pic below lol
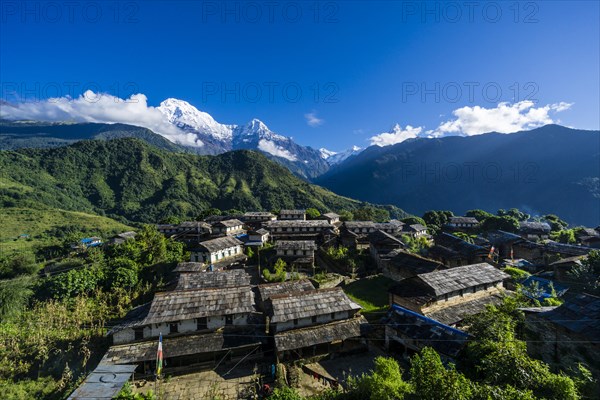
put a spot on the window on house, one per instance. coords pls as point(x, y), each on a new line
point(138, 333)
point(295, 321)
point(332, 315)
point(314, 319)
point(201, 324)
point(173, 327)
point(229, 319)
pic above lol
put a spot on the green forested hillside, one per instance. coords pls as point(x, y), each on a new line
point(131, 180)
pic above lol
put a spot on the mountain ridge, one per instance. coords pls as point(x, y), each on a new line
point(545, 170)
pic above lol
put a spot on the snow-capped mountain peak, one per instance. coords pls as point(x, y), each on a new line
point(186, 116)
point(333, 157)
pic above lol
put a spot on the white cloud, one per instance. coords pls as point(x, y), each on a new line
point(101, 108)
point(312, 120)
point(269, 147)
point(397, 135)
point(505, 118)
point(468, 121)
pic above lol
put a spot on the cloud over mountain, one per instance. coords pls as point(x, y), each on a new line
point(104, 108)
point(468, 121)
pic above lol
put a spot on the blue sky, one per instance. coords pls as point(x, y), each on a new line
point(351, 68)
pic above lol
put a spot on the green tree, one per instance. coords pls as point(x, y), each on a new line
point(383, 383)
point(15, 264)
point(564, 236)
point(432, 381)
point(312, 213)
point(346, 215)
point(515, 213)
point(480, 215)
point(504, 223)
point(556, 224)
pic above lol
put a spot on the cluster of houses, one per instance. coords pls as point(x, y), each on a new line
point(220, 310)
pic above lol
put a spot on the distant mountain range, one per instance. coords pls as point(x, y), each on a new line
point(552, 169)
point(208, 137)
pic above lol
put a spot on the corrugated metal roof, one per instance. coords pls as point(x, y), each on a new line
point(104, 382)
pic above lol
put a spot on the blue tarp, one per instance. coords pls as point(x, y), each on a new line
point(544, 288)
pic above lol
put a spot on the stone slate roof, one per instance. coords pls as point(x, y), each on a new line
point(132, 318)
point(175, 347)
point(578, 314)
point(380, 237)
point(267, 290)
point(294, 212)
point(463, 220)
point(456, 245)
point(260, 231)
point(319, 223)
point(229, 223)
point(331, 215)
point(567, 249)
point(213, 279)
point(568, 260)
point(589, 232)
point(295, 245)
point(326, 333)
point(412, 262)
point(189, 267)
point(196, 303)
point(456, 312)
point(359, 224)
point(454, 279)
point(259, 214)
point(426, 331)
point(534, 227)
point(194, 225)
point(415, 228)
point(287, 307)
point(218, 244)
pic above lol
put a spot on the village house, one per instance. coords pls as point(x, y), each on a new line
point(392, 227)
point(267, 290)
point(450, 295)
point(332, 218)
point(123, 237)
point(187, 231)
point(258, 217)
point(453, 251)
point(221, 318)
point(565, 250)
point(313, 323)
point(381, 243)
point(87, 243)
point(298, 229)
point(589, 237)
point(257, 237)
point(572, 329)
point(400, 264)
point(294, 215)
point(213, 279)
point(408, 332)
point(228, 227)
point(562, 268)
point(534, 230)
point(219, 252)
point(414, 230)
point(187, 311)
point(299, 253)
point(462, 223)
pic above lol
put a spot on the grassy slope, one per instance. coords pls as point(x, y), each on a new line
point(371, 294)
point(36, 222)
